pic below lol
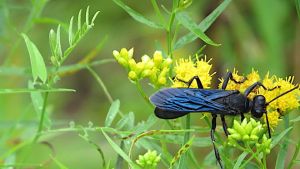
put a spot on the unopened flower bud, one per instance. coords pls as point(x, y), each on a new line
point(116, 53)
point(145, 58)
point(157, 57)
point(124, 53)
point(132, 76)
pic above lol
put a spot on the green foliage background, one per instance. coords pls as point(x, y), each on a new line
point(259, 34)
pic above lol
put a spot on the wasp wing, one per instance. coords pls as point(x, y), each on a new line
point(180, 101)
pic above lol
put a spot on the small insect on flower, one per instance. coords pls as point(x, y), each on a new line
point(176, 102)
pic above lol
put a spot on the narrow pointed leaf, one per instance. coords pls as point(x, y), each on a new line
point(38, 66)
point(113, 110)
point(120, 151)
point(204, 25)
point(58, 50)
point(52, 41)
point(137, 16)
point(87, 15)
point(79, 20)
point(240, 160)
point(71, 32)
point(276, 139)
point(297, 3)
point(94, 17)
point(189, 24)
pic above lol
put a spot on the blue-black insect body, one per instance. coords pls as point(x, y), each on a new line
point(176, 102)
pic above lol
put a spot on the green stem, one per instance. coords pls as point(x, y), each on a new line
point(41, 122)
point(170, 25)
point(265, 161)
point(294, 156)
point(101, 83)
point(183, 159)
point(256, 157)
point(142, 93)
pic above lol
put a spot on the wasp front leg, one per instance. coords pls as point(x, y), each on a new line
point(189, 83)
point(228, 77)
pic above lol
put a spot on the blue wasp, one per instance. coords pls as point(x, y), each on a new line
point(172, 103)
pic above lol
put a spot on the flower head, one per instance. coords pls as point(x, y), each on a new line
point(156, 68)
point(149, 160)
point(186, 69)
point(249, 133)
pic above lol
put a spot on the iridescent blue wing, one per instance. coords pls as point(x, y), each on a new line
point(185, 100)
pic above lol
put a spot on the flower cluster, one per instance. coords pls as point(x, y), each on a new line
point(156, 68)
point(275, 86)
point(249, 133)
point(186, 69)
point(149, 160)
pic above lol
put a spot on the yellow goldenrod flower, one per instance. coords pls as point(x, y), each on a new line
point(156, 68)
point(273, 117)
point(186, 69)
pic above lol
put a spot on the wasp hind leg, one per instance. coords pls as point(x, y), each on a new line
point(212, 136)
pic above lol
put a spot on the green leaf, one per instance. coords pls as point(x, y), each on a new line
point(188, 23)
point(297, 3)
point(38, 101)
point(120, 151)
point(296, 119)
point(38, 66)
point(79, 20)
point(276, 139)
point(52, 41)
point(127, 121)
point(283, 148)
point(203, 26)
point(240, 160)
point(137, 16)
point(181, 151)
point(12, 91)
point(58, 50)
point(87, 15)
point(210, 159)
point(113, 110)
point(281, 156)
point(71, 32)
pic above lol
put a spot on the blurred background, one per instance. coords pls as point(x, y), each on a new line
point(263, 35)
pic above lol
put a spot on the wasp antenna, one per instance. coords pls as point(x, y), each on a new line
point(296, 87)
point(269, 131)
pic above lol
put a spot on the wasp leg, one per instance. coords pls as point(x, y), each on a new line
point(224, 125)
point(188, 83)
point(242, 117)
point(257, 84)
point(229, 76)
point(212, 135)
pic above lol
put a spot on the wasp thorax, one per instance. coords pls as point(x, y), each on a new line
point(259, 106)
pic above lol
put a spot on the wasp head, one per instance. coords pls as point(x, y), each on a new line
point(259, 106)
